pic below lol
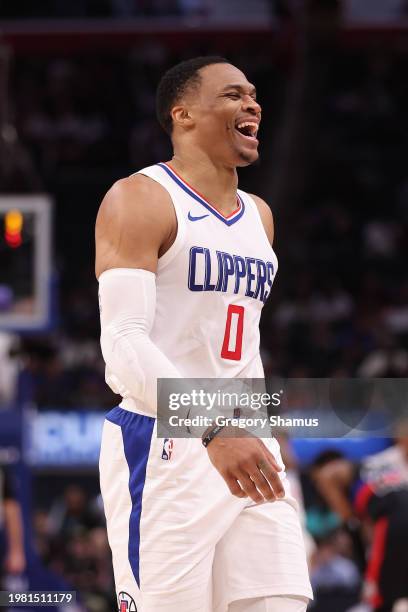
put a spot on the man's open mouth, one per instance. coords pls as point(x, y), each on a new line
point(248, 129)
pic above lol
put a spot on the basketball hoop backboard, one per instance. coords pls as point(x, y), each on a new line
point(25, 262)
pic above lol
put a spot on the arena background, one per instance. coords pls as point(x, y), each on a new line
point(77, 86)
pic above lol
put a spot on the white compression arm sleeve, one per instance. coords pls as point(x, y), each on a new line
point(127, 299)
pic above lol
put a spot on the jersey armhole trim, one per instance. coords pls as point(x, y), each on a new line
point(254, 207)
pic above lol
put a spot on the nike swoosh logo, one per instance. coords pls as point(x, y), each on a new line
point(191, 218)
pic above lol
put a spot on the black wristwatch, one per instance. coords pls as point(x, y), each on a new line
point(210, 434)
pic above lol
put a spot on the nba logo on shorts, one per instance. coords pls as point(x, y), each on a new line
point(167, 449)
point(126, 602)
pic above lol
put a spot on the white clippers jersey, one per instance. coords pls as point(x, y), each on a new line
point(212, 284)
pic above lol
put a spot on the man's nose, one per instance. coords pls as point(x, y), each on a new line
point(252, 105)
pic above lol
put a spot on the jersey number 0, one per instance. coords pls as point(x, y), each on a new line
point(234, 327)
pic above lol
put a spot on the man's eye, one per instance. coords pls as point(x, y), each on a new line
point(233, 95)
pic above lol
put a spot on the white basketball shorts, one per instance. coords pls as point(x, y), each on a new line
point(181, 542)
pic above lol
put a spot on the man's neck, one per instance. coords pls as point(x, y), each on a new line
point(216, 183)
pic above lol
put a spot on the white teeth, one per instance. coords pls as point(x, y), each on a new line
point(253, 126)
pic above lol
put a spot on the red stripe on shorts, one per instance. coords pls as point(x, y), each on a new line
point(376, 560)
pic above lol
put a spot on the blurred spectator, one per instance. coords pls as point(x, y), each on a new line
point(72, 515)
point(377, 494)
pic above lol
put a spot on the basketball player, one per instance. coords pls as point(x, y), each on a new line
point(181, 253)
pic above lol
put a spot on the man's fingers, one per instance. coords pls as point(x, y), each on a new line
point(271, 459)
point(269, 471)
point(248, 468)
point(263, 485)
point(234, 486)
point(249, 487)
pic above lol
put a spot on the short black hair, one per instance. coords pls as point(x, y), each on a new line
point(326, 457)
point(175, 82)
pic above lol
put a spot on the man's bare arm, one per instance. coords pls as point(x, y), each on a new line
point(332, 481)
point(136, 224)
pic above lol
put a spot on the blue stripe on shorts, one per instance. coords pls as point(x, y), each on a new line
point(137, 431)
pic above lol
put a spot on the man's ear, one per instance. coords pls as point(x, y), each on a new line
point(181, 117)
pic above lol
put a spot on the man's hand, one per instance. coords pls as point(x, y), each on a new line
point(247, 466)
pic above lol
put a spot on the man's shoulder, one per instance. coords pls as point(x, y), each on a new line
point(261, 204)
point(134, 221)
point(135, 185)
point(134, 193)
point(390, 457)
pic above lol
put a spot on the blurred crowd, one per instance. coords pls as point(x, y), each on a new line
point(339, 305)
point(342, 304)
point(70, 538)
point(83, 136)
